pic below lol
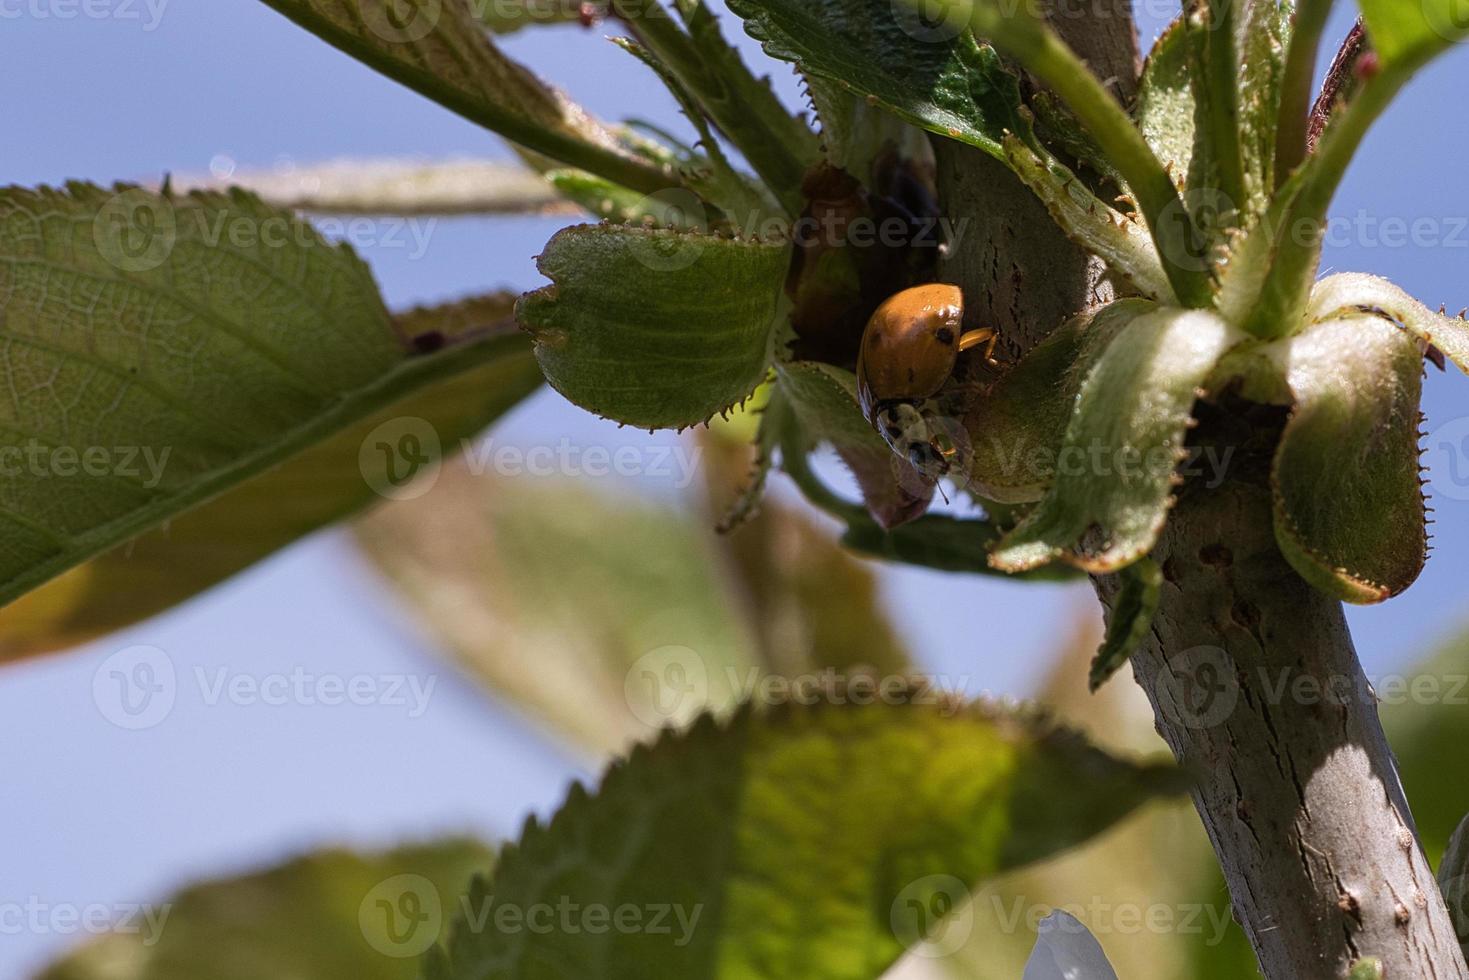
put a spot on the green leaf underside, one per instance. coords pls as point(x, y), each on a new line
point(1165, 101)
point(823, 400)
point(1124, 244)
point(322, 484)
point(1263, 38)
point(1116, 471)
point(806, 840)
point(1020, 425)
point(509, 16)
point(325, 916)
point(940, 542)
point(1353, 292)
point(1349, 510)
point(952, 86)
point(1131, 619)
point(652, 327)
point(208, 327)
point(437, 48)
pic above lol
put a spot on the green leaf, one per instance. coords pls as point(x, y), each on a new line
point(325, 916)
point(437, 48)
point(779, 146)
point(1413, 33)
point(936, 541)
point(1116, 471)
point(711, 175)
point(322, 484)
point(1349, 510)
point(560, 599)
point(810, 843)
point(209, 334)
point(654, 327)
point(1123, 243)
point(1352, 292)
point(1130, 621)
point(1165, 100)
point(935, 76)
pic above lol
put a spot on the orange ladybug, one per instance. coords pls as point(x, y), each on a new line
point(909, 349)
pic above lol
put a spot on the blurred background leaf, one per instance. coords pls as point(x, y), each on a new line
point(314, 918)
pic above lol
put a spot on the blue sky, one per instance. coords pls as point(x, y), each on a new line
point(96, 814)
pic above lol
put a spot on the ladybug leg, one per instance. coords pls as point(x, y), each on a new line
point(985, 335)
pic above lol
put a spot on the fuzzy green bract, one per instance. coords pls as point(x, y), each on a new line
point(654, 327)
point(809, 843)
point(1115, 471)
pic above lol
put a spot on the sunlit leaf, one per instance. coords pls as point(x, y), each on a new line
point(810, 843)
point(652, 327)
point(934, 75)
point(323, 483)
point(1165, 101)
point(437, 48)
point(331, 915)
point(1119, 240)
point(209, 334)
point(1413, 32)
point(1350, 292)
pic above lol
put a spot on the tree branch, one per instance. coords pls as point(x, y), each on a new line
point(1301, 800)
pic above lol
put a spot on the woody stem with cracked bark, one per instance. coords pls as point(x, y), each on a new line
point(1298, 789)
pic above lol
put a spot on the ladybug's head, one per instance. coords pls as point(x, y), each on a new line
point(907, 430)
